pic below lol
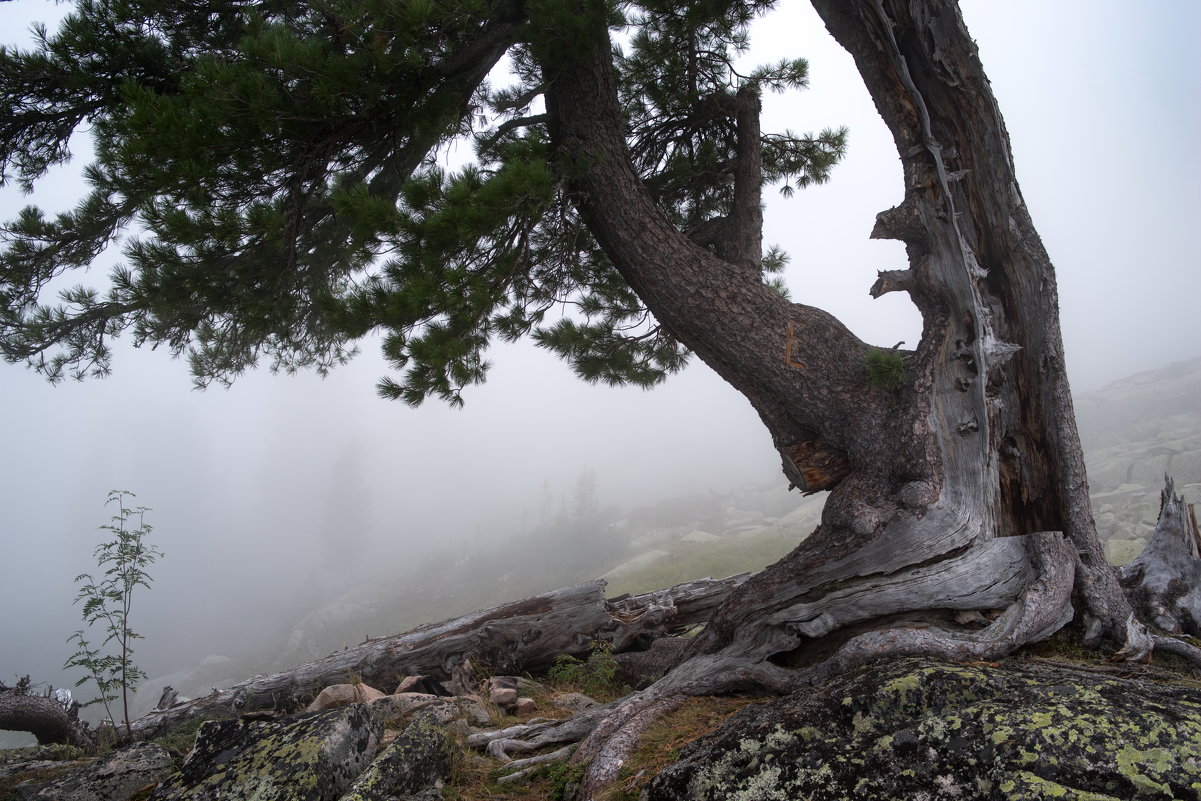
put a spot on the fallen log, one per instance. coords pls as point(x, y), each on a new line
point(43, 716)
point(512, 638)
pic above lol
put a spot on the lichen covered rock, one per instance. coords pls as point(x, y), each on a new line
point(114, 777)
point(418, 761)
point(915, 728)
point(308, 757)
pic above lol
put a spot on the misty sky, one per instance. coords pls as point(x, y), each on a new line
point(1100, 102)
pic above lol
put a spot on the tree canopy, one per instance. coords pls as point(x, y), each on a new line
point(277, 178)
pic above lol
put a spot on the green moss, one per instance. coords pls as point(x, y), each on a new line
point(183, 736)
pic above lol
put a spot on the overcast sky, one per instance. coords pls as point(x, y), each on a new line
point(1100, 102)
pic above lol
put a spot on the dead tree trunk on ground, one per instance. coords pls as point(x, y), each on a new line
point(511, 638)
point(42, 716)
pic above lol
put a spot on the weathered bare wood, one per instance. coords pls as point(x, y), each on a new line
point(891, 281)
point(606, 750)
point(524, 767)
point(1042, 609)
point(989, 576)
point(527, 737)
point(511, 638)
point(656, 613)
point(1164, 582)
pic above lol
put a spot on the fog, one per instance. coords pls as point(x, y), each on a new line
point(281, 491)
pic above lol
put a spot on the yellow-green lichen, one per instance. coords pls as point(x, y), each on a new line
point(975, 731)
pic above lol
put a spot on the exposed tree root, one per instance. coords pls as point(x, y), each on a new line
point(523, 767)
point(608, 747)
point(610, 734)
point(1172, 645)
point(1043, 608)
point(527, 737)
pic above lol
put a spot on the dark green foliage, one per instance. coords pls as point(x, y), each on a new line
point(274, 171)
point(564, 779)
point(885, 369)
point(108, 601)
point(183, 736)
point(595, 675)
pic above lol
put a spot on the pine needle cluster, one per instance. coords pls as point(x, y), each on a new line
point(275, 178)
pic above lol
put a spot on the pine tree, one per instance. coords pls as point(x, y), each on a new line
point(275, 169)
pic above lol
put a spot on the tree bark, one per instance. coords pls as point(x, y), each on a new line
point(43, 717)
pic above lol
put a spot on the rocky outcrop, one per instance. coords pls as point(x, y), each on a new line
point(1134, 431)
point(915, 728)
point(114, 777)
point(309, 757)
point(399, 746)
point(416, 762)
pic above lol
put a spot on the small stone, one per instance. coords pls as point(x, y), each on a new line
point(575, 702)
point(337, 695)
point(503, 697)
point(422, 684)
point(526, 705)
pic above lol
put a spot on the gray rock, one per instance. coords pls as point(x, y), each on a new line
point(415, 764)
point(393, 708)
point(915, 728)
point(575, 702)
point(503, 691)
point(113, 777)
point(308, 757)
point(54, 752)
point(642, 668)
point(503, 697)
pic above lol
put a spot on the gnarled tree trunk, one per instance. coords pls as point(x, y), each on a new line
point(964, 488)
point(958, 522)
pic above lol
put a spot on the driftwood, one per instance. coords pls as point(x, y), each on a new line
point(1164, 582)
point(511, 638)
